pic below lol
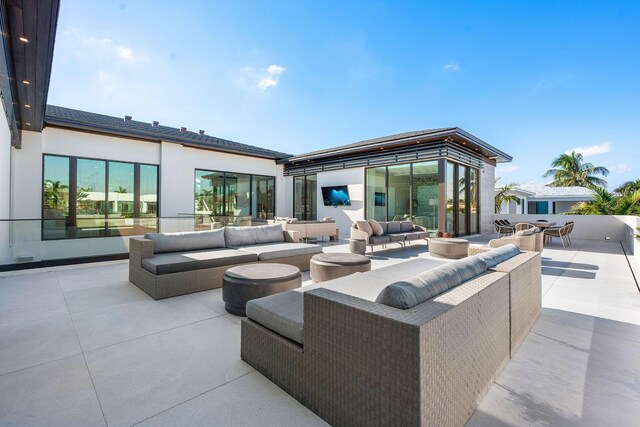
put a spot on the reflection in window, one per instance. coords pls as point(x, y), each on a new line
point(55, 197)
point(148, 191)
point(425, 195)
point(238, 194)
point(120, 199)
point(90, 198)
point(263, 200)
point(462, 200)
point(377, 193)
point(473, 201)
point(399, 192)
point(450, 178)
point(305, 197)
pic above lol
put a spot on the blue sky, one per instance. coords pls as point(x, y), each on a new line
point(534, 79)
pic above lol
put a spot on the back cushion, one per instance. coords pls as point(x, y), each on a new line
point(384, 227)
point(186, 241)
point(393, 227)
point(418, 289)
point(376, 227)
point(501, 254)
point(406, 226)
point(364, 226)
point(239, 236)
point(269, 233)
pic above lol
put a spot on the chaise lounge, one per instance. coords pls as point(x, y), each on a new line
point(390, 347)
point(169, 264)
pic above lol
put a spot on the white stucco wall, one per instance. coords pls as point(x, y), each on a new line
point(344, 215)
point(487, 197)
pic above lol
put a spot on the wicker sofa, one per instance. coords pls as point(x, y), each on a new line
point(526, 240)
point(400, 232)
point(355, 361)
point(169, 264)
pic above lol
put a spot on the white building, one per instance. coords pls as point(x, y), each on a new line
point(76, 185)
point(542, 199)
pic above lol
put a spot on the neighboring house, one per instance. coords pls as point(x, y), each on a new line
point(542, 199)
point(86, 181)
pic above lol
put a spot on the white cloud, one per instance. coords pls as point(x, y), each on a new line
point(271, 77)
point(90, 45)
point(451, 66)
point(507, 169)
point(619, 168)
point(592, 150)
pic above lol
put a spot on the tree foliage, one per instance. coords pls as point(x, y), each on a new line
point(503, 195)
point(568, 170)
point(606, 203)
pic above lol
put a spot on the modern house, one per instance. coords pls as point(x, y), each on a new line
point(542, 199)
point(77, 184)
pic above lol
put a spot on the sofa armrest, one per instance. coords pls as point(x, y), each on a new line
point(290, 236)
point(359, 235)
point(510, 240)
point(139, 249)
point(475, 250)
point(420, 228)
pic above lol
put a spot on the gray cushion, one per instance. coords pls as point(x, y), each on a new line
point(418, 289)
point(416, 235)
point(187, 261)
point(379, 240)
point(186, 241)
point(406, 226)
point(384, 227)
point(396, 237)
point(269, 234)
point(498, 255)
point(393, 227)
point(282, 313)
point(271, 251)
point(239, 236)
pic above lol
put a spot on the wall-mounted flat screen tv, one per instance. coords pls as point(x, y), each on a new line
point(337, 195)
point(380, 199)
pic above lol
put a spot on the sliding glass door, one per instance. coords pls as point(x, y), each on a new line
point(305, 197)
point(425, 195)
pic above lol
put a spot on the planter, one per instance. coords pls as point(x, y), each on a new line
point(439, 234)
point(447, 235)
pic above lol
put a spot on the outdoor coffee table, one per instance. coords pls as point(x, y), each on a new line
point(334, 265)
point(448, 248)
point(250, 281)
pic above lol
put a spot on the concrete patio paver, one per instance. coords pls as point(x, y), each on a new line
point(177, 361)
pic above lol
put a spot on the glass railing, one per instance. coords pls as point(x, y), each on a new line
point(34, 241)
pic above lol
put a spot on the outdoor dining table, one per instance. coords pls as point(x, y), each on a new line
point(542, 225)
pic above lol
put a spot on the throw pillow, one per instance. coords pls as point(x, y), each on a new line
point(376, 227)
point(364, 226)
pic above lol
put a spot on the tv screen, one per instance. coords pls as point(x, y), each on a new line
point(336, 196)
point(380, 199)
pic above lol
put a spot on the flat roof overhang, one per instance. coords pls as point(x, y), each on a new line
point(455, 135)
point(28, 32)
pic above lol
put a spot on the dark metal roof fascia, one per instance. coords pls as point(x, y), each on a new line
point(68, 124)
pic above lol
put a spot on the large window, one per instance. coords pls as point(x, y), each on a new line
point(305, 197)
point(97, 198)
point(412, 191)
point(233, 198)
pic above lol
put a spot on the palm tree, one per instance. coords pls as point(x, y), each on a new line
point(606, 203)
point(504, 196)
point(121, 190)
point(628, 187)
point(55, 194)
point(568, 170)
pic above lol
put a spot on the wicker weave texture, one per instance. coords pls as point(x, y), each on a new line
point(186, 282)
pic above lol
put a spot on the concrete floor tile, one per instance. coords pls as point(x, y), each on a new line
point(24, 298)
point(35, 342)
point(59, 393)
point(141, 378)
point(240, 402)
point(107, 326)
point(103, 296)
point(88, 277)
point(212, 299)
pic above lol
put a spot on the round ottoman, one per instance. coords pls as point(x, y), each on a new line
point(448, 248)
point(250, 281)
point(333, 265)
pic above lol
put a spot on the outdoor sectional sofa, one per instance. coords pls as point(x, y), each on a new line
point(399, 232)
point(169, 264)
point(309, 229)
point(355, 361)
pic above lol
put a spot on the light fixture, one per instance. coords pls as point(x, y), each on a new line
point(28, 124)
point(23, 39)
point(27, 105)
point(27, 82)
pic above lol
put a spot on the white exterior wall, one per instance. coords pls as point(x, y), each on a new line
point(177, 169)
point(344, 215)
point(177, 174)
point(5, 186)
point(487, 197)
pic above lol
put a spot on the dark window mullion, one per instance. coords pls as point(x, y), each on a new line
point(73, 197)
point(456, 199)
point(136, 191)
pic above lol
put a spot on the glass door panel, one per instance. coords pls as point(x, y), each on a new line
point(450, 178)
point(55, 200)
point(120, 199)
point(399, 192)
point(90, 198)
point(376, 179)
point(425, 195)
point(462, 200)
